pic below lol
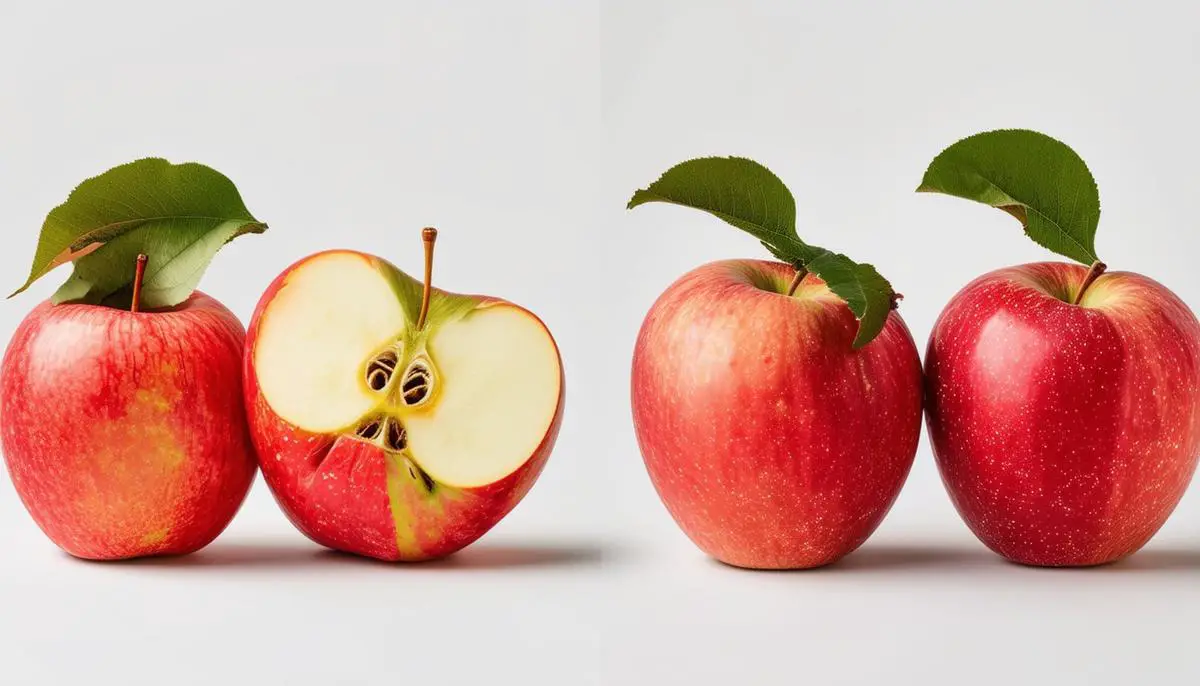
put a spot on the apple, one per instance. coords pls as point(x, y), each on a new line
point(1065, 433)
point(771, 441)
point(395, 420)
point(124, 431)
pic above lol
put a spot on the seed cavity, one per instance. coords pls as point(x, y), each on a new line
point(396, 437)
point(370, 429)
point(381, 368)
point(418, 382)
point(386, 432)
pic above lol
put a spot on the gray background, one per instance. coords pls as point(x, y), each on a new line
point(520, 132)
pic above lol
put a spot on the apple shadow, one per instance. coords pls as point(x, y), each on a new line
point(507, 556)
point(242, 554)
point(1157, 560)
point(303, 555)
point(891, 557)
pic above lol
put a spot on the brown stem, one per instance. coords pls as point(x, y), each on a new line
point(801, 272)
point(428, 236)
point(1094, 273)
point(139, 274)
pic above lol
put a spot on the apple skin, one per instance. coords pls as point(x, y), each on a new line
point(1064, 434)
point(772, 442)
point(124, 433)
point(334, 489)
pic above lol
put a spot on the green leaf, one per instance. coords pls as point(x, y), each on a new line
point(177, 257)
point(868, 294)
point(736, 190)
point(750, 197)
point(179, 216)
point(1035, 178)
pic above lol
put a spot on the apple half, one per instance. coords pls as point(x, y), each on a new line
point(392, 419)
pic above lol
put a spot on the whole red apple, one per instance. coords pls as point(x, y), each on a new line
point(1065, 433)
point(773, 443)
point(391, 429)
point(124, 432)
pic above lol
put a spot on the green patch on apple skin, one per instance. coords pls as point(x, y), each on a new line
point(155, 537)
point(179, 216)
point(411, 501)
point(150, 409)
point(152, 399)
point(745, 194)
point(1035, 178)
point(397, 481)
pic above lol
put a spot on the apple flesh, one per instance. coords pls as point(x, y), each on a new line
point(771, 441)
point(1065, 434)
point(386, 439)
point(124, 432)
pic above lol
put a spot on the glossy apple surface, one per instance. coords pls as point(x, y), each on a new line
point(388, 439)
point(124, 432)
point(1065, 434)
point(770, 440)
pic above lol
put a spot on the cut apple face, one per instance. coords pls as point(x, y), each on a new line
point(332, 313)
point(467, 398)
point(495, 394)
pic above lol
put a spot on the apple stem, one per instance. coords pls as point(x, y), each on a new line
point(1094, 273)
point(428, 236)
point(139, 273)
point(801, 272)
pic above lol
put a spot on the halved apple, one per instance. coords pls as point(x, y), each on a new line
point(392, 419)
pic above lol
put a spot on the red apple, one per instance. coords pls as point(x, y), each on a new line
point(124, 432)
point(771, 441)
point(387, 433)
point(1065, 434)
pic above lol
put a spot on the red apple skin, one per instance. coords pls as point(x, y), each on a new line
point(124, 433)
point(1064, 434)
point(334, 489)
point(772, 442)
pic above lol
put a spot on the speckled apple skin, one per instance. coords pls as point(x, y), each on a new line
point(1064, 434)
point(350, 496)
point(124, 433)
point(772, 442)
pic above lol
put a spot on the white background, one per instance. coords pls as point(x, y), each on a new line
point(521, 132)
